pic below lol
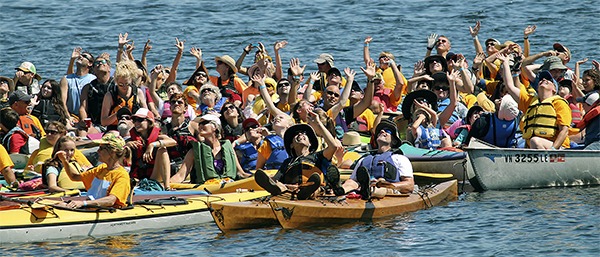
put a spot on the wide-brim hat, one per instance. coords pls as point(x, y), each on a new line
point(440, 78)
point(190, 81)
point(561, 48)
point(10, 82)
point(408, 101)
point(472, 110)
point(292, 131)
point(438, 58)
point(328, 58)
point(226, 59)
point(390, 125)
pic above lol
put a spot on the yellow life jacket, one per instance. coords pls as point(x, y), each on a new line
point(540, 118)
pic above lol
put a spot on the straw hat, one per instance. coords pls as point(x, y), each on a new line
point(226, 59)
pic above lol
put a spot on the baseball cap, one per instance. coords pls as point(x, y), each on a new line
point(325, 58)
point(18, 95)
point(29, 67)
point(249, 122)
point(144, 114)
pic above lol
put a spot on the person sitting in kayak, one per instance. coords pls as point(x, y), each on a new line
point(497, 128)
point(261, 150)
point(52, 177)
point(590, 121)
point(306, 169)
point(420, 106)
point(383, 168)
point(109, 183)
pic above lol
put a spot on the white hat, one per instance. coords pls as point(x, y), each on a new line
point(509, 109)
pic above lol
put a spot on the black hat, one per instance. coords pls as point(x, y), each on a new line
point(192, 78)
point(407, 103)
point(437, 58)
point(123, 111)
point(335, 71)
point(472, 110)
point(390, 125)
point(292, 131)
point(440, 78)
point(356, 87)
point(18, 95)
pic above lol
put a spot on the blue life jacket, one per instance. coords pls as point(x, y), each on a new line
point(501, 133)
point(249, 155)
point(278, 153)
point(430, 138)
point(382, 168)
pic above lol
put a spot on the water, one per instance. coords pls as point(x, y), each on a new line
point(523, 223)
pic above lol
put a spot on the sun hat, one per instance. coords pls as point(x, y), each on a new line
point(209, 117)
point(114, 141)
point(226, 59)
point(492, 39)
point(10, 82)
point(509, 109)
point(29, 67)
point(123, 111)
point(391, 126)
point(351, 138)
point(553, 62)
point(144, 114)
point(438, 58)
point(408, 101)
point(561, 48)
point(325, 58)
point(472, 110)
point(356, 87)
point(440, 79)
point(18, 95)
point(387, 54)
point(485, 102)
point(292, 131)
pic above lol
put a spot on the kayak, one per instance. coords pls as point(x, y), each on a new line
point(243, 215)
point(436, 161)
point(293, 214)
point(36, 220)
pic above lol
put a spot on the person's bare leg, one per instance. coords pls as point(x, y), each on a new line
point(161, 171)
point(185, 169)
point(9, 175)
point(540, 143)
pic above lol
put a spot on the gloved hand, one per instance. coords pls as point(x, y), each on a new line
point(432, 41)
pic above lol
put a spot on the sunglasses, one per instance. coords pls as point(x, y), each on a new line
point(388, 131)
point(125, 117)
point(206, 89)
point(88, 57)
point(442, 40)
point(138, 119)
point(174, 102)
point(333, 93)
point(284, 84)
point(3, 82)
point(52, 132)
point(490, 44)
point(204, 122)
point(100, 62)
point(229, 107)
point(200, 75)
point(255, 126)
point(441, 89)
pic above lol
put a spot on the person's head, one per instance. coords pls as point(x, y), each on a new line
point(546, 82)
point(386, 134)
point(173, 88)
point(209, 94)
point(54, 131)
point(126, 74)
point(252, 129)
point(490, 46)
point(29, 73)
point(425, 97)
point(508, 109)
point(301, 109)
point(5, 84)
point(324, 62)
point(443, 44)
point(334, 77)
point(8, 119)
point(327, 121)
point(384, 58)
point(143, 120)
point(102, 64)
point(356, 92)
point(440, 85)
point(48, 88)
point(209, 126)
point(298, 137)
point(554, 65)
point(231, 112)
point(588, 100)
point(66, 144)
point(424, 85)
point(378, 81)
point(565, 87)
point(19, 102)
point(591, 80)
point(283, 87)
point(112, 148)
point(434, 64)
point(563, 52)
point(225, 65)
point(271, 85)
point(473, 114)
point(85, 60)
point(125, 121)
point(332, 96)
point(178, 104)
point(282, 121)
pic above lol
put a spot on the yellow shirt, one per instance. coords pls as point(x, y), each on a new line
point(191, 101)
point(45, 152)
point(5, 160)
point(118, 178)
point(390, 80)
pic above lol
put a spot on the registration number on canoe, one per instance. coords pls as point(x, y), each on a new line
point(546, 157)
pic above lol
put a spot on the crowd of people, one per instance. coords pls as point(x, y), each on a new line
point(218, 126)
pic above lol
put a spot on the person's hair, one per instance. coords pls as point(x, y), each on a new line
point(54, 161)
point(178, 96)
point(56, 100)
point(327, 121)
point(595, 75)
point(295, 114)
point(445, 38)
point(9, 118)
point(127, 69)
point(241, 116)
point(214, 88)
point(174, 83)
point(60, 127)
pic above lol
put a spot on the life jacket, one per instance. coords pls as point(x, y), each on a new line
point(96, 94)
point(228, 89)
point(381, 169)
point(297, 170)
point(183, 137)
point(31, 145)
point(589, 115)
point(119, 102)
point(204, 168)
point(500, 133)
point(360, 125)
point(139, 168)
point(383, 96)
point(249, 155)
point(26, 124)
point(45, 112)
point(575, 111)
point(278, 153)
point(540, 118)
point(430, 138)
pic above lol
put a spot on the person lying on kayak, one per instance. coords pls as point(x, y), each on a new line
point(261, 150)
point(306, 169)
point(384, 169)
point(109, 183)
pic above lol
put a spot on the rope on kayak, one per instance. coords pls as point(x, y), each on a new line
point(464, 170)
point(424, 194)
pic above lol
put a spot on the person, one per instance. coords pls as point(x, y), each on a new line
point(421, 106)
point(459, 130)
point(51, 167)
point(334, 102)
point(306, 169)
point(6, 84)
point(124, 94)
point(164, 108)
point(20, 103)
point(6, 165)
point(441, 44)
point(547, 116)
point(92, 95)
point(261, 149)
point(150, 158)
point(14, 139)
point(125, 123)
point(49, 106)
point(55, 130)
point(382, 167)
point(565, 89)
point(26, 79)
point(324, 63)
point(72, 84)
point(211, 99)
point(213, 160)
point(591, 121)
point(497, 128)
point(178, 129)
point(386, 60)
point(229, 85)
point(109, 182)
point(449, 109)
point(232, 118)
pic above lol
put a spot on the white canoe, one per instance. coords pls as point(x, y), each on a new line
point(492, 168)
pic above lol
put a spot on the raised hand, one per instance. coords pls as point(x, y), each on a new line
point(123, 39)
point(478, 59)
point(158, 69)
point(432, 41)
point(258, 79)
point(349, 73)
point(129, 47)
point(179, 45)
point(76, 52)
point(295, 67)
point(262, 48)
point(61, 155)
point(502, 57)
point(368, 39)
point(280, 44)
point(582, 61)
point(248, 48)
point(475, 30)
point(596, 64)
point(314, 76)
point(529, 30)
point(196, 52)
point(370, 70)
point(419, 68)
point(147, 46)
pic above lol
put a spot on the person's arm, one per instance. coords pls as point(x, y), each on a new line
point(576, 80)
point(297, 76)
point(147, 48)
point(337, 108)
point(447, 113)
point(122, 41)
point(431, 43)
point(531, 59)
point(512, 89)
point(366, 55)
point(474, 32)
point(173, 73)
point(414, 127)
point(106, 117)
point(528, 31)
point(64, 90)
point(259, 79)
point(83, 105)
point(158, 69)
point(563, 133)
point(377, 119)
point(52, 178)
point(129, 50)
point(76, 53)
point(332, 143)
point(141, 98)
point(197, 53)
point(279, 69)
point(367, 100)
point(72, 172)
point(240, 60)
point(399, 87)
point(459, 65)
point(308, 90)
point(477, 65)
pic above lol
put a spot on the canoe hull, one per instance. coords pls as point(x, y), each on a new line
point(436, 161)
point(300, 214)
point(500, 169)
point(242, 215)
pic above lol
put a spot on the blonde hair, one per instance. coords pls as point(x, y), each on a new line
point(127, 69)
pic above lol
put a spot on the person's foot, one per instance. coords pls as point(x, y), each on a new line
point(333, 179)
point(364, 180)
point(264, 181)
point(314, 182)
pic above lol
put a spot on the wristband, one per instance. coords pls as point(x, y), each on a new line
point(366, 44)
point(475, 37)
point(526, 38)
point(262, 87)
point(297, 78)
point(461, 69)
point(84, 203)
point(515, 75)
point(429, 48)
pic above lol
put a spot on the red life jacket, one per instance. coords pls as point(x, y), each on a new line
point(590, 115)
point(139, 168)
